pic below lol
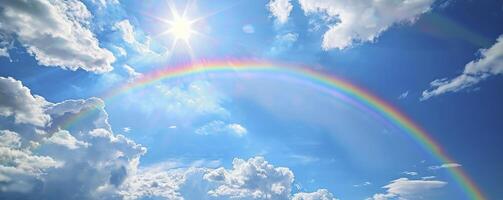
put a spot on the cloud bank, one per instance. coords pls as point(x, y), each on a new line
point(46, 157)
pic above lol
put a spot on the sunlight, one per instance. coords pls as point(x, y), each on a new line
point(181, 28)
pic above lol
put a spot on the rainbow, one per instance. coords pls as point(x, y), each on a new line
point(338, 87)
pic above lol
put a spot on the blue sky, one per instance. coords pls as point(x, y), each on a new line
point(247, 137)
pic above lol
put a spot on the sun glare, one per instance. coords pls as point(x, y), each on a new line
point(181, 28)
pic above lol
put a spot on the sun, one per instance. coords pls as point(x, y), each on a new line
point(181, 28)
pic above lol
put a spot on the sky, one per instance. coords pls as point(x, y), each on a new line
point(89, 108)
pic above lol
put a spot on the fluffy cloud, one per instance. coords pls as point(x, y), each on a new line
point(446, 165)
point(280, 9)
point(254, 178)
point(64, 138)
point(251, 179)
point(362, 20)
point(489, 64)
point(45, 161)
point(17, 101)
point(218, 127)
point(404, 188)
point(86, 160)
point(56, 32)
point(127, 31)
point(321, 194)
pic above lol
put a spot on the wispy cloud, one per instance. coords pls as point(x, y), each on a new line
point(489, 64)
point(447, 165)
point(411, 173)
point(366, 183)
point(404, 95)
point(404, 188)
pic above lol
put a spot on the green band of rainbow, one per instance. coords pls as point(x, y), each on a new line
point(339, 85)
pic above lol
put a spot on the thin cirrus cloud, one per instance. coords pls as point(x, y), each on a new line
point(66, 40)
point(489, 64)
point(446, 165)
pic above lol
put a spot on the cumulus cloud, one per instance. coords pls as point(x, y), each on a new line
point(489, 64)
point(254, 178)
point(86, 160)
point(56, 32)
point(321, 194)
point(17, 101)
point(404, 188)
point(251, 179)
point(352, 21)
point(45, 161)
point(280, 9)
point(446, 165)
point(219, 127)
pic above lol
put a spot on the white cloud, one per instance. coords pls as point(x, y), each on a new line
point(404, 95)
point(410, 173)
point(17, 101)
point(321, 194)
point(103, 165)
point(248, 28)
point(251, 179)
point(280, 9)
point(36, 162)
point(489, 64)
point(126, 129)
point(138, 42)
point(362, 20)
point(366, 183)
point(283, 42)
point(219, 127)
point(254, 178)
point(4, 52)
point(64, 138)
point(404, 188)
point(428, 177)
point(127, 30)
point(446, 165)
point(131, 72)
point(237, 129)
point(56, 32)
